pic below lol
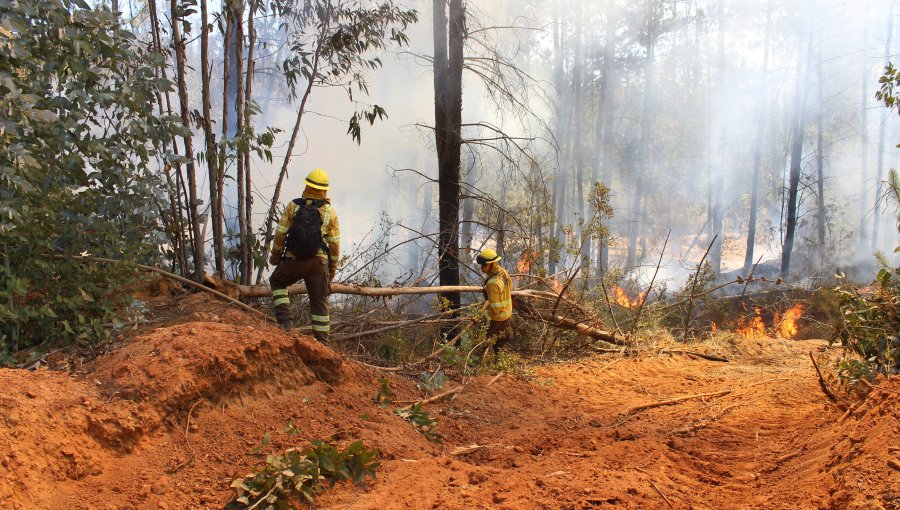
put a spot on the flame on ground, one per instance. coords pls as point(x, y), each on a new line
point(621, 298)
point(787, 324)
point(753, 327)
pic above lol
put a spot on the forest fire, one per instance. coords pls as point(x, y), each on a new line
point(524, 264)
point(787, 325)
point(784, 326)
point(753, 327)
point(621, 298)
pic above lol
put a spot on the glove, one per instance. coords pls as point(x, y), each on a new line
point(275, 258)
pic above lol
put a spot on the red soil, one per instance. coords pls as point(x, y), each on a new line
point(166, 421)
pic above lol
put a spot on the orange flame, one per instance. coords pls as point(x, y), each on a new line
point(556, 285)
point(621, 298)
point(752, 328)
point(524, 264)
point(787, 324)
point(713, 327)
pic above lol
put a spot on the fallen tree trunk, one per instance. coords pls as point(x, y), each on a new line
point(580, 327)
point(258, 291)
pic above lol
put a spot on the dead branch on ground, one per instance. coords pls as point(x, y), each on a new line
point(671, 401)
point(824, 384)
point(709, 357)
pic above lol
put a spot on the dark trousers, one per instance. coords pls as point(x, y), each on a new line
point(314, 273)
point(501, 332)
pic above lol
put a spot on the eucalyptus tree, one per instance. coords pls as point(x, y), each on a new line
point(79, 136)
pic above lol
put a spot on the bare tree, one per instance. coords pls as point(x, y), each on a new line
point(449, 32)
point(758, 145)
point(797, 135)
point(193, 200)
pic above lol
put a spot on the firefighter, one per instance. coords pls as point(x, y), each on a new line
point(306, 247)
point(497, 289)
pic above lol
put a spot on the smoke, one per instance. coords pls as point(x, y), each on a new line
point(669, 152)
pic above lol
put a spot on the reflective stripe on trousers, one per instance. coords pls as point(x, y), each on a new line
point(314, 273)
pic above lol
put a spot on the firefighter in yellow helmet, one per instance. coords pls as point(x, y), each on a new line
point(307, 247)
point(497, 289)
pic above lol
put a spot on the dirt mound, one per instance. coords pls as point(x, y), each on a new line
point(865, 454)
point(169, 419)
point(64, 428)
point(173, 367)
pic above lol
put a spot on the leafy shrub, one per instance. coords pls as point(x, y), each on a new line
point(385, 394)
point(77, 136)
point(295, 476)
point(415, 414)
point(869, 326)
point(423, 422)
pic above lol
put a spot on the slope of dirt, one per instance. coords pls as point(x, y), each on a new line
point(166, 421)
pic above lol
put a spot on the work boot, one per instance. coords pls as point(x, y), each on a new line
point(287, 325)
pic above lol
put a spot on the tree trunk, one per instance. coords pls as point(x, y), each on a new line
point(717, 183)
point(864, 142)
point(604, 121)
point(820, 164)
point(643, 163)
point(175, 197)
point(448, 61)
point(879, 170)
point(799, 123)
point(757, 150)
point(193, 214)
point(250, 239)
point(235, 11)
point(577, 141)
point(212, 158)
point(559, 182)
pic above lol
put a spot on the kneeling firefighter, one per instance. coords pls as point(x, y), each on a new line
point(497, 289)
point(306, 247)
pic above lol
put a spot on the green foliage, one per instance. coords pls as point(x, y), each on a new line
point(424, 423)
point(333, 45)
point(432, 381)
point(385, 394)
point(291, 429)
point(889, 80)
point(77, 134)
point(295, 476)
point(266, 439)
point(415, 414)
point(869, 325)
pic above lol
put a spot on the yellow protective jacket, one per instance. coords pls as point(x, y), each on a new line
point(331, 231)
point(498, 287)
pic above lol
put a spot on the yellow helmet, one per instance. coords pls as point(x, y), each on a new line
point(487, 256)
point(317, 179)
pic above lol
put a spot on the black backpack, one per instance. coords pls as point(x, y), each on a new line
point(305, 236)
